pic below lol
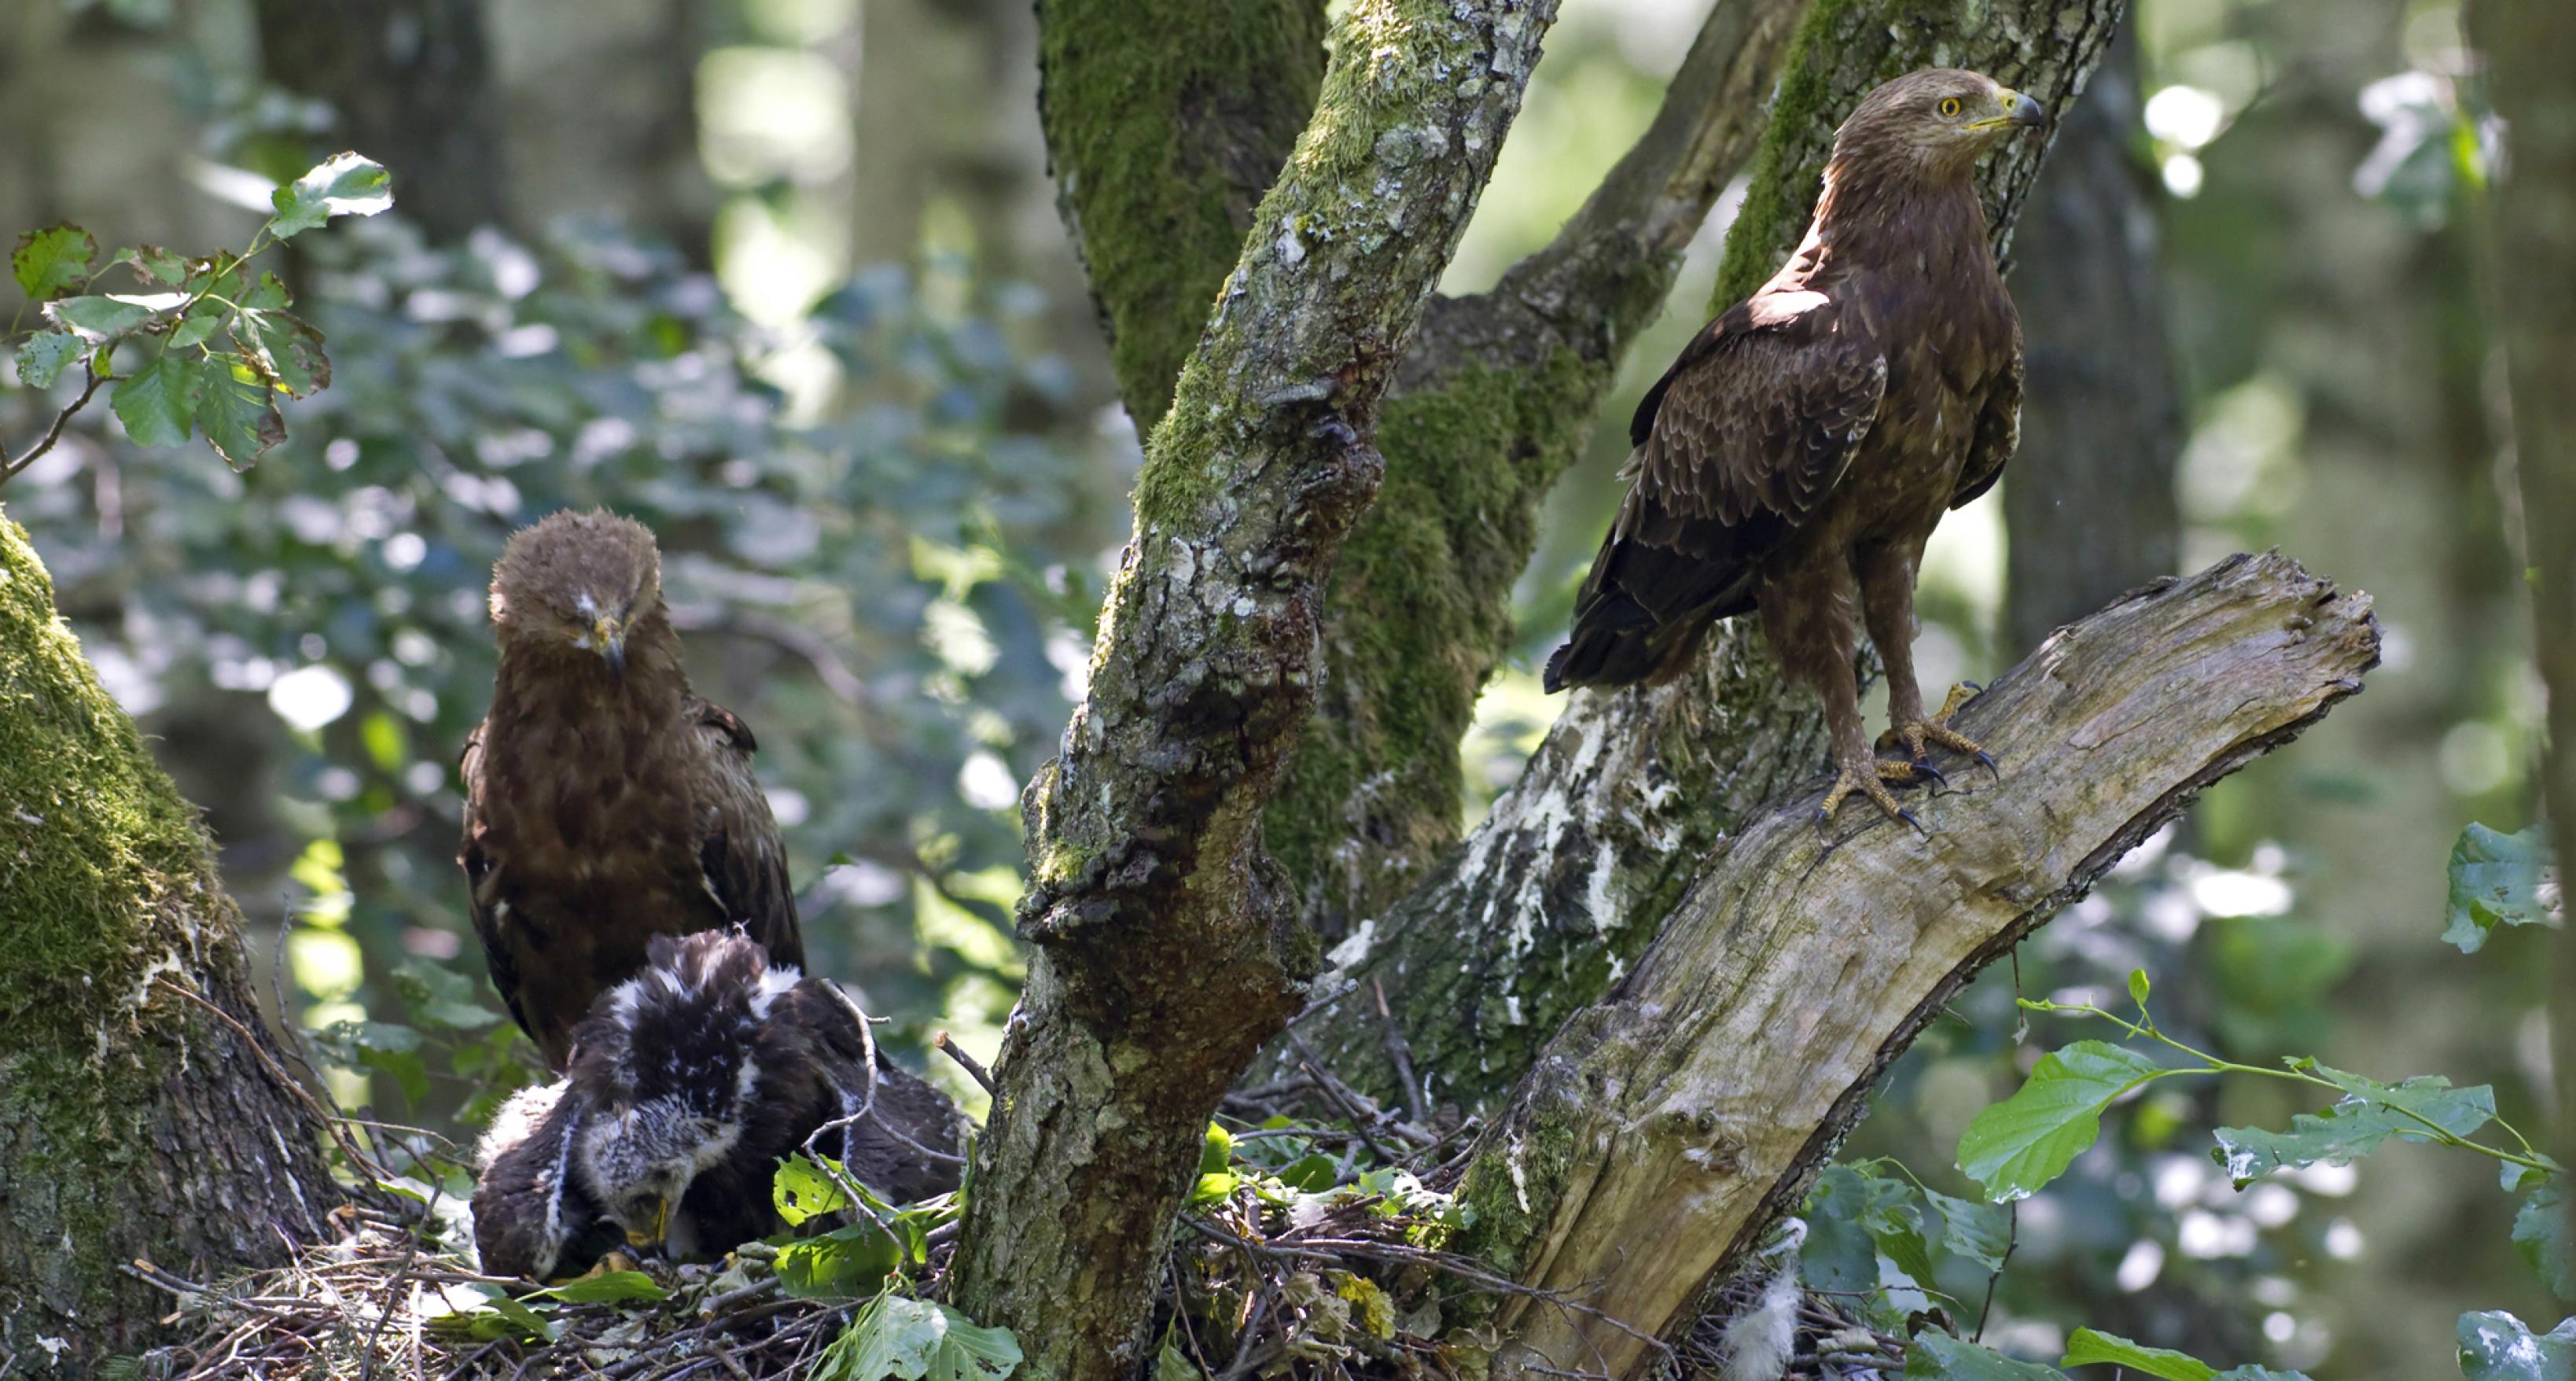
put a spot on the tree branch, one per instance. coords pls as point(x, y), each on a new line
point(54, 433)
point(1561, 888)
point(1490, 406)
point(1165, 950)
point(1692, 1107)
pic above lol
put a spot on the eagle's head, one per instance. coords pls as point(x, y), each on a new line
point(668, 1069)
point(575, 585)
point(1935, 121)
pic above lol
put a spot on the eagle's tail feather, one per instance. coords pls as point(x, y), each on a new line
point(1615, 643)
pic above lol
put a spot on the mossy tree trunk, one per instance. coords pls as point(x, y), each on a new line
point(1167, 946)
point(143, 1112)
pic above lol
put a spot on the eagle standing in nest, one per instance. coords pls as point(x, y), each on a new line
point(605, 803)
point(692, 1080)
point(1797, 456)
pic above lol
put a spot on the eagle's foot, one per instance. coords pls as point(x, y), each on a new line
point(1871, 781)
point(1915, 738)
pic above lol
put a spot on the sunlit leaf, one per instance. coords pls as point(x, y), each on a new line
point(153, 259)
point(283, 350)
point(2370, 1113)
point(2496, 1346)
point(2500, 879)
point(101, 318)
point(2089, 1348)
point(235, 412)
point(910, 1340)
point(607, 1287)
point(2023, 1142)
point(844, 1263)
point(344, 184)
point(48, 261)
point(802, 1191)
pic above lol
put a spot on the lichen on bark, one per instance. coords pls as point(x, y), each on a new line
point(133, 1121)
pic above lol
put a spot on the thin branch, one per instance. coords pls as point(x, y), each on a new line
point(54, 433)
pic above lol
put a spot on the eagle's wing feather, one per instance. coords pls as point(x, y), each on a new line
point(907, 1146)
point(744, 866)
point(1737, 445)
point(484, 888)
point(1998, 430)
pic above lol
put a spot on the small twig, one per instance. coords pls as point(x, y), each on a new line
point(974, 1070)
point(1399, 1052)
point(2012, 1239)
point(330, 1120)
point(54, 433)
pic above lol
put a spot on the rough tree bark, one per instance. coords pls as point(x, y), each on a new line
point(1165, 947)
point(2531, 48)
point(412, 81)
point(1692, 1106)
point(143, 1112)
point(1562, 888)
point(2089, 508)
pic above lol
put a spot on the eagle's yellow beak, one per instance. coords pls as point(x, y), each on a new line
point(661, 1225)
point(2019, 111)
point(609, 639)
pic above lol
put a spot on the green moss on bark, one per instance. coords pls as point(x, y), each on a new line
point(1418, 617)
point(1165, 123)
point(132, 1122)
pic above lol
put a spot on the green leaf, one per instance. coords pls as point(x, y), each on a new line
point(2253, 1373)
point(2540, 1232)
point(2500, 879)
point(1216, 1151)
point(504, 1317)
point(912, 1339)
point(1978, 1232)
point(2089, 1348)
point(153, 259)
point(1936, 1356)
point(2138, 986)
point(1841, 1254)
point(844, 1263)
point(48, 261)
point(234, 411)
point(196, 326)
point(1215, 1188)
point(440, 997)
point(2496, 1346)
point(2023, 1142)
point(285, 351)
point(344, 184)
point(2370, 1113)
point(44, 357)
point(1171, 1364)
point(802, 1191)
point(157, 404)
point(97, 319)
point(1308, 1174)
point(607, 1287)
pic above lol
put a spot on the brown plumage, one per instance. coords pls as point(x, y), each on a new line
point(605, 803)
point(1798, 454)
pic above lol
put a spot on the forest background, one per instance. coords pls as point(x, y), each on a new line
point(881, 439)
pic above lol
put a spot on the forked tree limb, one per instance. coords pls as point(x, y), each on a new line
point(1666, 1125)
point(1165, 943)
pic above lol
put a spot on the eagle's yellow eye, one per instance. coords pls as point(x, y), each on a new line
point(1949, 107)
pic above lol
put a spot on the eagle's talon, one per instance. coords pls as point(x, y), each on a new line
point(1871, 782)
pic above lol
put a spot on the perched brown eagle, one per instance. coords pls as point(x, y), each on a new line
point(605, 803)
point(692, 1080)
point(1799, 453)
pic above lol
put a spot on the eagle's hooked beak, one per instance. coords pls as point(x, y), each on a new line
point(2020, 111)
point(661, 1225)
point(610, 641)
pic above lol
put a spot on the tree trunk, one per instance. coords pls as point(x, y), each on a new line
point(412, 82)
point(2531, 45)
point(1166, 949)
point(144, 1110)
point(1692, 1106)
point(1563, 886)
point(2089, 506)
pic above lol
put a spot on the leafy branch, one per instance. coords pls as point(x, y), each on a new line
point(222, 344)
